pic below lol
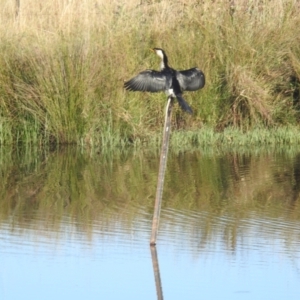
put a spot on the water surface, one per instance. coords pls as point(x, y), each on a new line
point(77, 225)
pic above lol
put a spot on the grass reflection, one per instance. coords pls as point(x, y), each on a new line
point(204, 192)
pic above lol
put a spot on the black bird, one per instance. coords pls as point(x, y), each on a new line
point(171, 81)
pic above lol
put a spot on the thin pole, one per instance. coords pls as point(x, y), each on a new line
point(162, 169)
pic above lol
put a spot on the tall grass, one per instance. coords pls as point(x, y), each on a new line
point(63, 63)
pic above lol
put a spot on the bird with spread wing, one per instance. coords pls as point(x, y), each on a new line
point(173, 82)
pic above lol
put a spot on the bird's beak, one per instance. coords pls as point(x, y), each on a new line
point(151, 49)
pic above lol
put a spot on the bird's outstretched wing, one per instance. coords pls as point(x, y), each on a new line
point(191, 79)
point(147, 81)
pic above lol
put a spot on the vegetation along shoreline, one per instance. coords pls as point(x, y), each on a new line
point(62, 69)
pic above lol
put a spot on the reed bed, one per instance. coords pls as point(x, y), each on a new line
point(63, 63)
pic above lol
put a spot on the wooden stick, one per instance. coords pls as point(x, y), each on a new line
point(162, 169)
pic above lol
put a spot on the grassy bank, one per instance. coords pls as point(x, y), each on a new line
point(63, 63)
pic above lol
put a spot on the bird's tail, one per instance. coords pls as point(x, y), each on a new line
point(184, 106)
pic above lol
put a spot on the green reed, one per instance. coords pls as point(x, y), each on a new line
point(62, 70)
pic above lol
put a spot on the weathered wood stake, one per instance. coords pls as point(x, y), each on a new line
point(162, 169)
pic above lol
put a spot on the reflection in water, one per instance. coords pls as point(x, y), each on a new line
point(44, 189)
point(221, 211)
point(296, 180)
point(156, 272)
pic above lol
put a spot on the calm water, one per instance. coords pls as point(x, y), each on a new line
point(77, 226)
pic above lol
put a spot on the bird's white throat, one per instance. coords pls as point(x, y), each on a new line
point(170, 92)
point(160, 54)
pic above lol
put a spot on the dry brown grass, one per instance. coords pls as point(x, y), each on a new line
point(63, 63)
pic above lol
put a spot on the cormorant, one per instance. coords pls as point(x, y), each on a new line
point(171, 81)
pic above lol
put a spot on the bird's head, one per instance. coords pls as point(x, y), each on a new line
point(162, 55)
point(159, 52)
